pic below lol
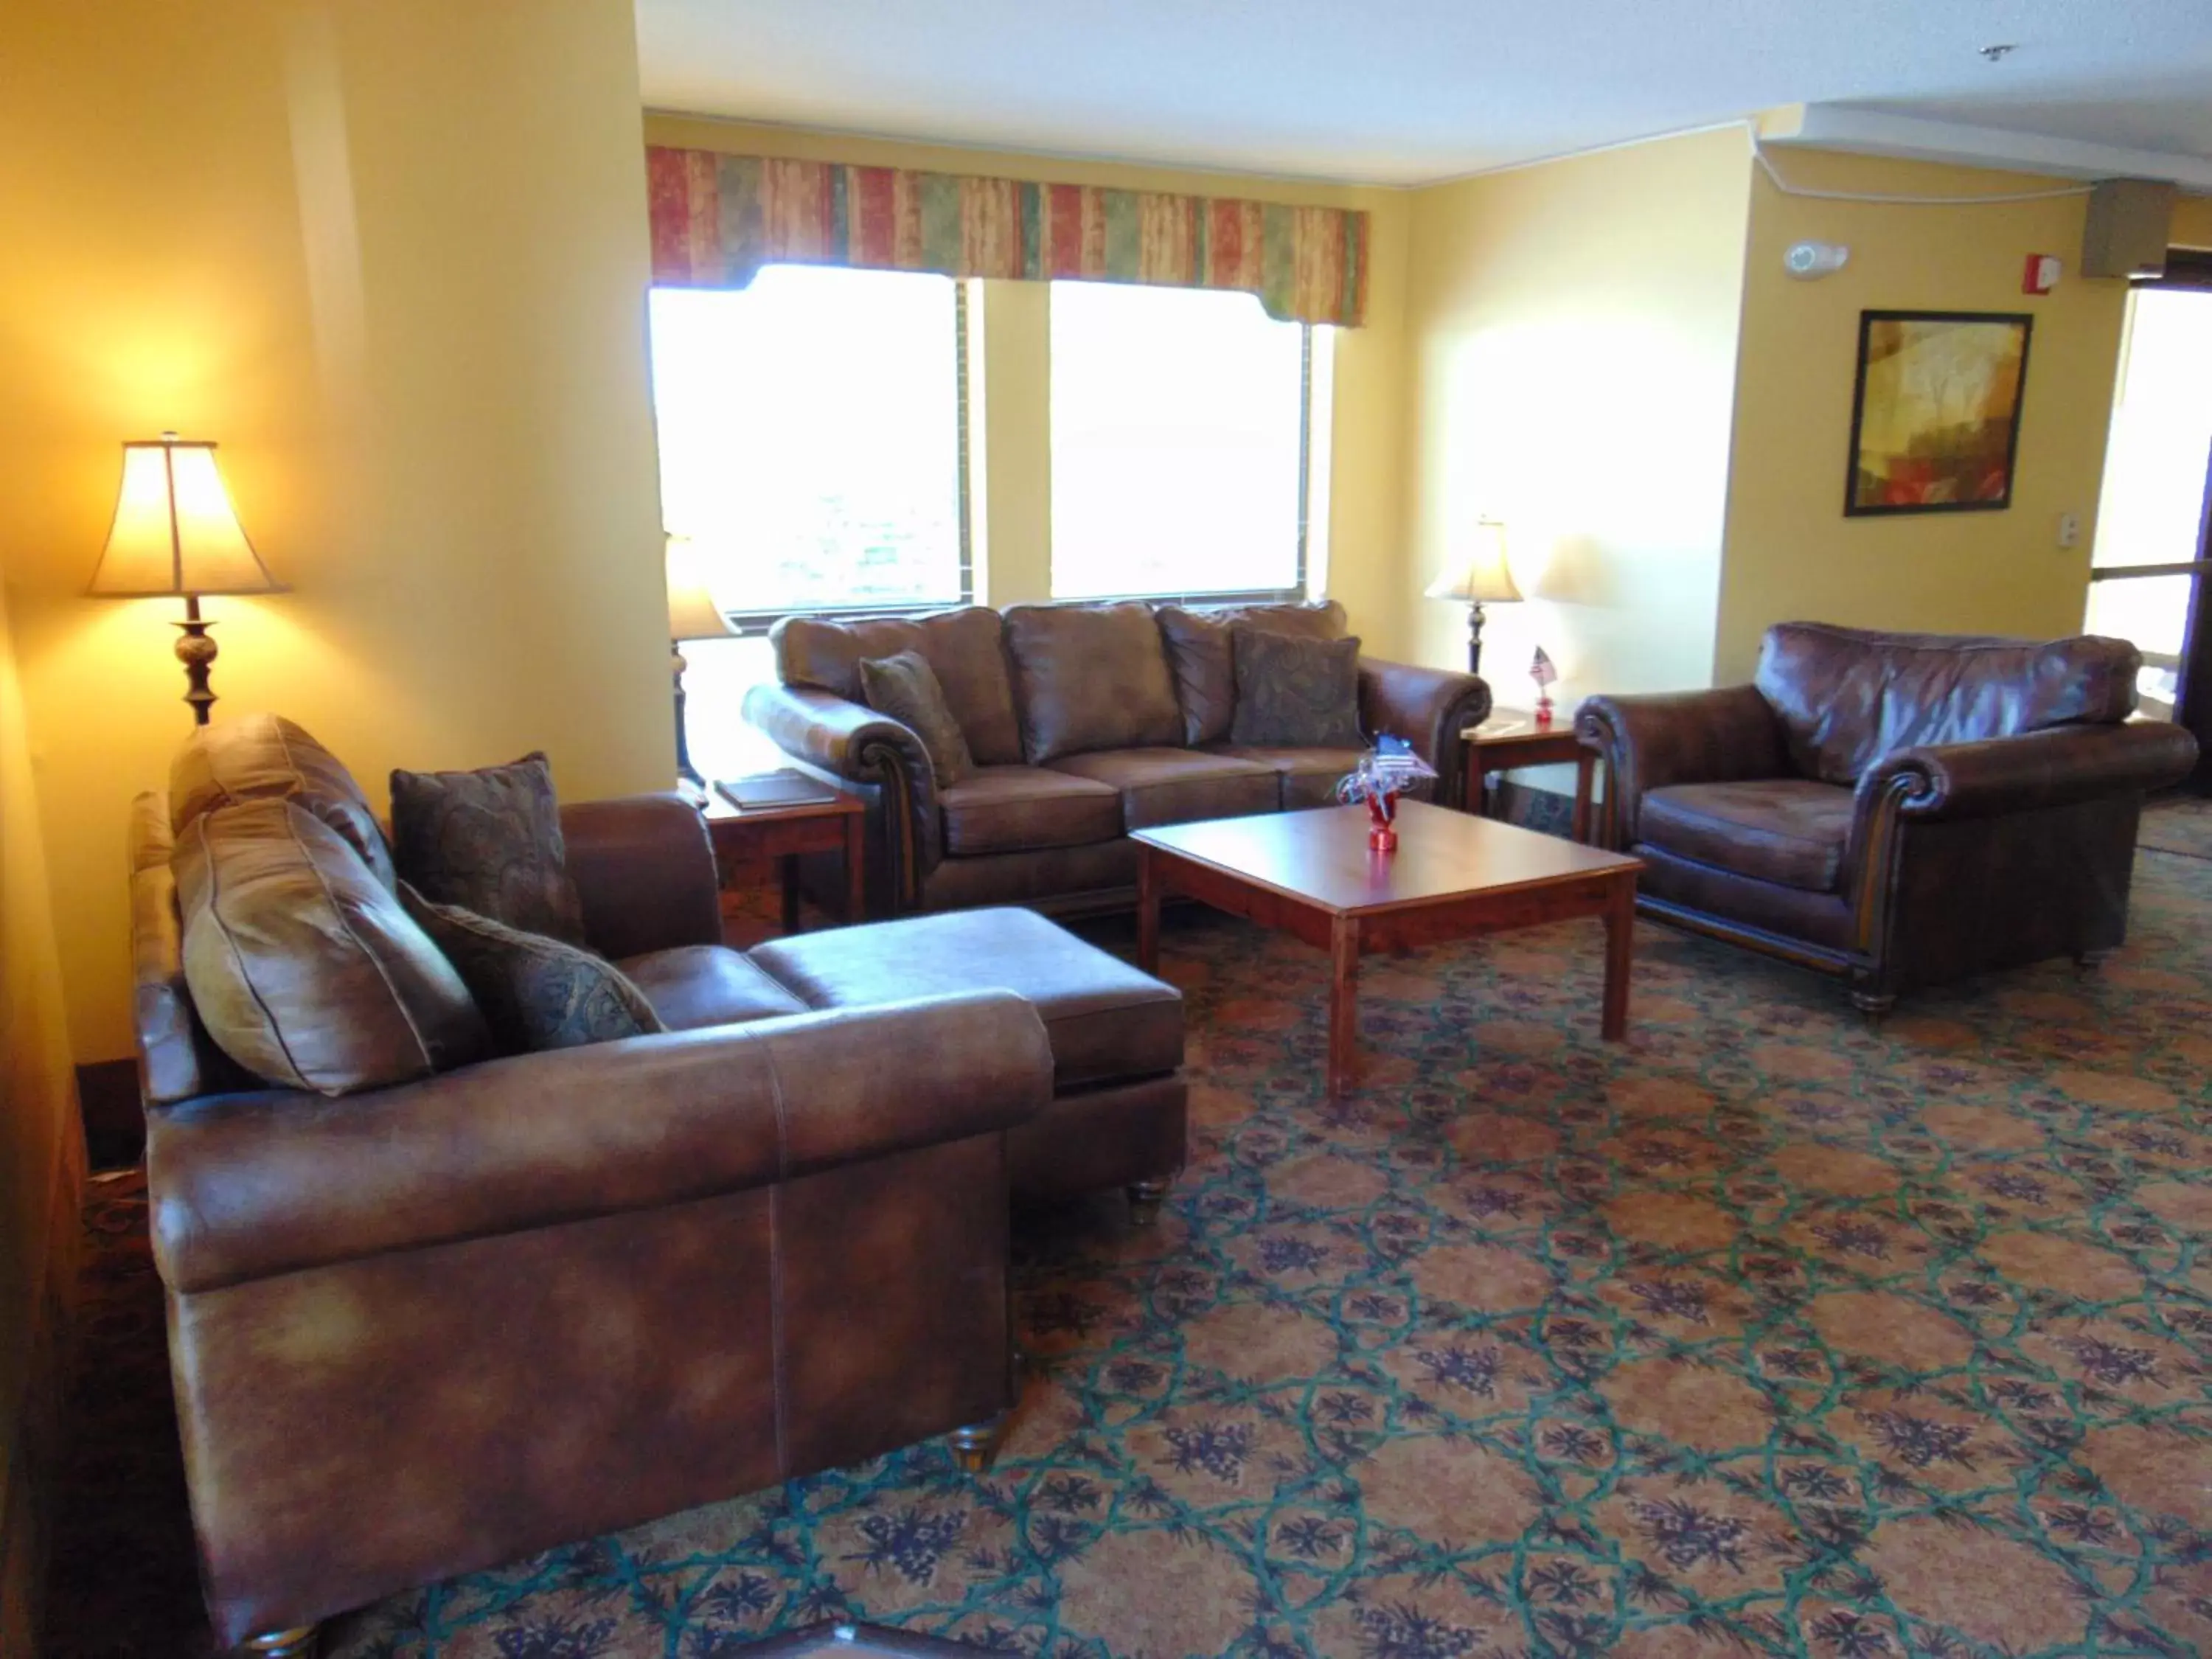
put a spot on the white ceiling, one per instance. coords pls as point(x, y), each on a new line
point(1408, 91)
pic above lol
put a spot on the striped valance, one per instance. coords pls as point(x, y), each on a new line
point(718, 219)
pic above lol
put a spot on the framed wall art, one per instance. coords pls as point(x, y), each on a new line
point(1936, 412)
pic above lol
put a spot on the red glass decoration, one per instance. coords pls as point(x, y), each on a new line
point(1382, 816)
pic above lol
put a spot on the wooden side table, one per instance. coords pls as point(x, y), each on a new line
point(1510, 740)
point(783, 834)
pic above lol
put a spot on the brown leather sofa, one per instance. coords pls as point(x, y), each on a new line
point(1061, 706)
point(433, 1326)
point(1900, 810)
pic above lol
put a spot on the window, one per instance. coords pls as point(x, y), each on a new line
point(1182, 421)
point(813, 438)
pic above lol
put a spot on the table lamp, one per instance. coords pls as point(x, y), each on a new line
point(692, 615)
point(1483, 578)
point(175, 536)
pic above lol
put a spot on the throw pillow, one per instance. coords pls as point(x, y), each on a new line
point(260, 757)
point(1296, 693)
point(906, 688)
point(1204, 672)
point(303, 968)
point(535, 993)
point(489, 840)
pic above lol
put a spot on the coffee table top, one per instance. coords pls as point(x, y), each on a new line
point(1321, 856)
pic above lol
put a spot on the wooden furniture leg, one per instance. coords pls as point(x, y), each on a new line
point(1343, 1005)
point(856, 870)
point(1148, 911)
point(787, 873)
point(1585, 764)
point(1619, 949)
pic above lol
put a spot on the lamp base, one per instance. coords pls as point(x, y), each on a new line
point(196, 649)
point(1474, 637)
point(685, 773)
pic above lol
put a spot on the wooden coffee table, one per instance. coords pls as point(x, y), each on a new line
point(1311, 875)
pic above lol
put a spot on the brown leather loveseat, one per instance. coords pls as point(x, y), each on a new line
point(1898, 809)
point(432, 1327)
point(1085, 721)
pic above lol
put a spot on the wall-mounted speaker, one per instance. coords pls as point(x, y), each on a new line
point(2129, 224)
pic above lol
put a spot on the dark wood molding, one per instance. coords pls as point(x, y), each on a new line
point(114, 1114)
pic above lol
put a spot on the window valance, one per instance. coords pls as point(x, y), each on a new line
point(717, 219)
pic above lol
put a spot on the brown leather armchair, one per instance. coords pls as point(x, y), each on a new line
point(1899, 809)
point(431, 1327)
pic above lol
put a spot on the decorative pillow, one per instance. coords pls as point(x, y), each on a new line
point(261, 757)
point(536, 992)
point(1296, 693)
point(490, 842)
point(906, 688)
point(303, 967)
point(1204, 672)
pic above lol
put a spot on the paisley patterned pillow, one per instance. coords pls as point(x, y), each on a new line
point(906, 688)
point(1296, 693)
point(535, 992)
point(489, 840)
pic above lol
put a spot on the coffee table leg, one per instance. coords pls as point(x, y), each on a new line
point(1148, 911)
point(1343, 1005)
point(1619, 948)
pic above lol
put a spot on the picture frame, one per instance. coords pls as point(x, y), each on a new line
point(1936, 411)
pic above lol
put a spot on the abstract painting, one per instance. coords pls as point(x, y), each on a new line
point(1936, 416)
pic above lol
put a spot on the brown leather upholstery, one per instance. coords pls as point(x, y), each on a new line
point(961, 646)
point(262, 758)
point(1055, 879)
point(1428, 708)
point(1203, 662)
point(301, 964)
point(1791, 830)
point(1303, 777)
point(644, 869)
point(1109, 1135)
point(694, 986)
point(1993, 790)
point(1090, 677)
point(177, 1058)
point(1006, 809)
point(1174, 785)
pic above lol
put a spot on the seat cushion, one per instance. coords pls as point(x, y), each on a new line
point(1090, 677)
point(1107, 1022)
point(1788, 830)
point(695, 986)
point(1303, 777)
point(1174, 785)
point(1018, 809)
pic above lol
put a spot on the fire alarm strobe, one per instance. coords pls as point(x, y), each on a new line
point(2041, 273)
point(1809, 261)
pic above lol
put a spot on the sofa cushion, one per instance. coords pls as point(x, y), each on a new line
point(1173, 786)
point(535, 993)
point(1090, 677)
point(1303, 777)
point(1792, 831)
point(490, 842)
point(1200, 657)
point(1847, 697)
point(1016, 809)
point(261, 757)
point(1303, 693)
point(1106, 1020)
point(905, 687)
point(303, 966)
point(964, 649)
point(694, 986)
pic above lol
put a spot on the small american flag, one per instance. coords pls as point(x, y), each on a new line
point(1541, 670)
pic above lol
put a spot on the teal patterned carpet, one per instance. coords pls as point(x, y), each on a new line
point(1766, 1333)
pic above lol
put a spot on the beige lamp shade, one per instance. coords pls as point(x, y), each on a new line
point(174, 531)
point(692, 612)
point(1483, 578)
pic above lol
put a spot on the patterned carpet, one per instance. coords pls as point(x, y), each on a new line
point(1764, 1334)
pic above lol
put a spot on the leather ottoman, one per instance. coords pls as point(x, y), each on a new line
point(1117, 1117)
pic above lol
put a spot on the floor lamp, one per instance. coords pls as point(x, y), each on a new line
point(693, 614)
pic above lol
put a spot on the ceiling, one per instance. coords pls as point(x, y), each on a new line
point(1409, 91)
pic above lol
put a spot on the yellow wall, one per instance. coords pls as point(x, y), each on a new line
point(1791, 552)
point(1572, 338)
point(391, 254)
point(2192, 222)
point(41, 1171)
point(1365, 558)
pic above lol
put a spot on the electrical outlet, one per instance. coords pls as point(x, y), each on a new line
point(2070, 530)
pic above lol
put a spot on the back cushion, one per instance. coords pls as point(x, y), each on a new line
point(1091, 676)
point(303, 966)
point(1205, 671)
point(1848, 696)
point(963, 648)
point(261, 757)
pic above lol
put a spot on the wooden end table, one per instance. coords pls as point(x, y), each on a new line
point(1511, 738)
point(743, 834)
point(1311, 875)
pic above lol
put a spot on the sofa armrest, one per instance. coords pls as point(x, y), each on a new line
point(644, 867)
point(1428, 708)
point(247, 1186)
point(1678, 736)
point(832, 735)
point(2054, 767)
